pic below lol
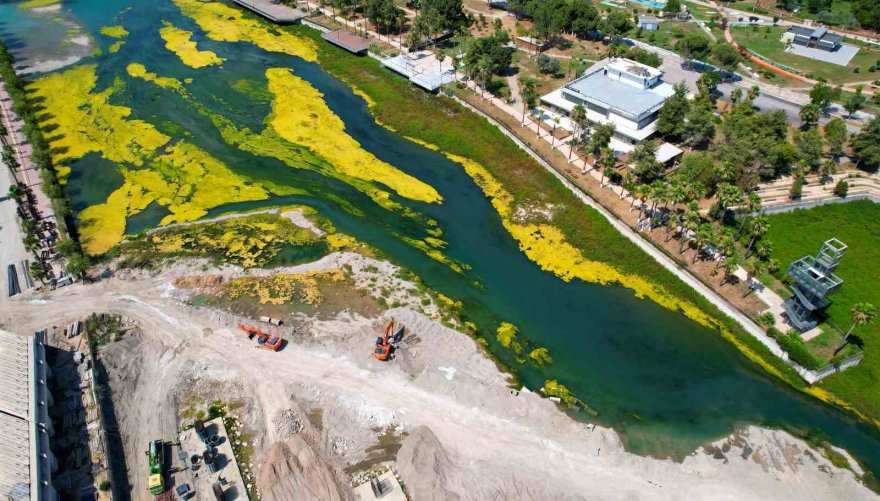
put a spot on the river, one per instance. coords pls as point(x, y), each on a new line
point(664, 382)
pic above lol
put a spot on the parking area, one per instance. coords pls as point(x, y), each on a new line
point(840, 57)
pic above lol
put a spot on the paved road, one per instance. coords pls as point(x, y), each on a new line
point(11, 246)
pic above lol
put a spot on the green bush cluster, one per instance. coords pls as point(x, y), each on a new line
point(797, 351)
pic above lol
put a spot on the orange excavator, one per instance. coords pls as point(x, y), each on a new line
point(265, 340)
point(383, 348)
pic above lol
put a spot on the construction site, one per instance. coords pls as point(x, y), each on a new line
point(360, 403)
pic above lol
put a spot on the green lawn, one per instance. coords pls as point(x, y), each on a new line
point(669, 34)
point(745, 6)
point(802, 232)
point(701, 12)
point(765, 41)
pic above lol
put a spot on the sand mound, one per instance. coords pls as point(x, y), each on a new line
point(293, 471)
point(423, 466)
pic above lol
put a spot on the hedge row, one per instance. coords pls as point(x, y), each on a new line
point(21, 105)
point(797, 351)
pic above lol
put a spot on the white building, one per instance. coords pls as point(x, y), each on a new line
point(619, 91)
point(26, 462)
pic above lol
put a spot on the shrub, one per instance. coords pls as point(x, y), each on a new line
point(841, 189)
point(104, 485)
point(767, 319)
point(794, 346)
point(797, 189)
point(548, 65)
point(799, 353)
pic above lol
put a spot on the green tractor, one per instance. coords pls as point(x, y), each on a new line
point(156, 457)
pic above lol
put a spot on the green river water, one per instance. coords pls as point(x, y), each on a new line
point(665, 382)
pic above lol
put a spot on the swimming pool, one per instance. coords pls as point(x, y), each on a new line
point(648, 3)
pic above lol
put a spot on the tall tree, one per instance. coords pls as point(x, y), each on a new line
point(835, 136)
point(528, 95)
point(866, 146)
point(600, 138)
point(726, 56)
point(862, 314)
point(823, 94)
point(809, 115)
point(671, 120)
point(615, 24)
point(810, 147)
point(855, 102)
point(729, 195)
point(708, 83)
point(699, 123)
point(644, 161)
point(757, 228)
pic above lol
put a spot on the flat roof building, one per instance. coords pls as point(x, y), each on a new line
point(348, 41)
point(818, 38)
point(649, 22)
point(26, 462)
point(619, 91)
point(274, 11)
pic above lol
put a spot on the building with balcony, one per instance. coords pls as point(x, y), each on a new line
point(619, 91)
point(814, 280)
point(26, 462)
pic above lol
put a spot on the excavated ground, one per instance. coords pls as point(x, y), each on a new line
point(322, 408)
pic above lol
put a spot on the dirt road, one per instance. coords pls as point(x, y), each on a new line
point(490, 443)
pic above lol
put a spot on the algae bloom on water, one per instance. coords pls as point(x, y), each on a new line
point(180, 42)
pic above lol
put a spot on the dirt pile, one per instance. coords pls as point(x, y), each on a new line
point(202, 283)
point(292, 471)
point(423, 465)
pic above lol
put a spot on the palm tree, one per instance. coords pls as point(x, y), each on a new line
point(764, 249)
point(705, 235)
point(729, 266)
point(753, 204)
point(809, 115)
point(606, 161)
point(691, 223)
point(553, 134)
point(754, 91)
point(484, 72)
point(638, 192)
point(827, 169)
point(673, 222)
point(15, 192)
point(758, 228)
point(527, 93)
point(727, 247)
point(627, 184)
point(728, 196)
point(579, 117)
point(753, 269)
point(862, 314)
point(677, 193)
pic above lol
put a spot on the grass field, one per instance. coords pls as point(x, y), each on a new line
point(701, 12)
point(669, 34)
point(765, 41)
point(800, 233)
point(745, 6)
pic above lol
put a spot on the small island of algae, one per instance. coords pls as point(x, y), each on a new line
point(324, 133)
point(180, 42)
point(114, 31)
point(226, 24)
